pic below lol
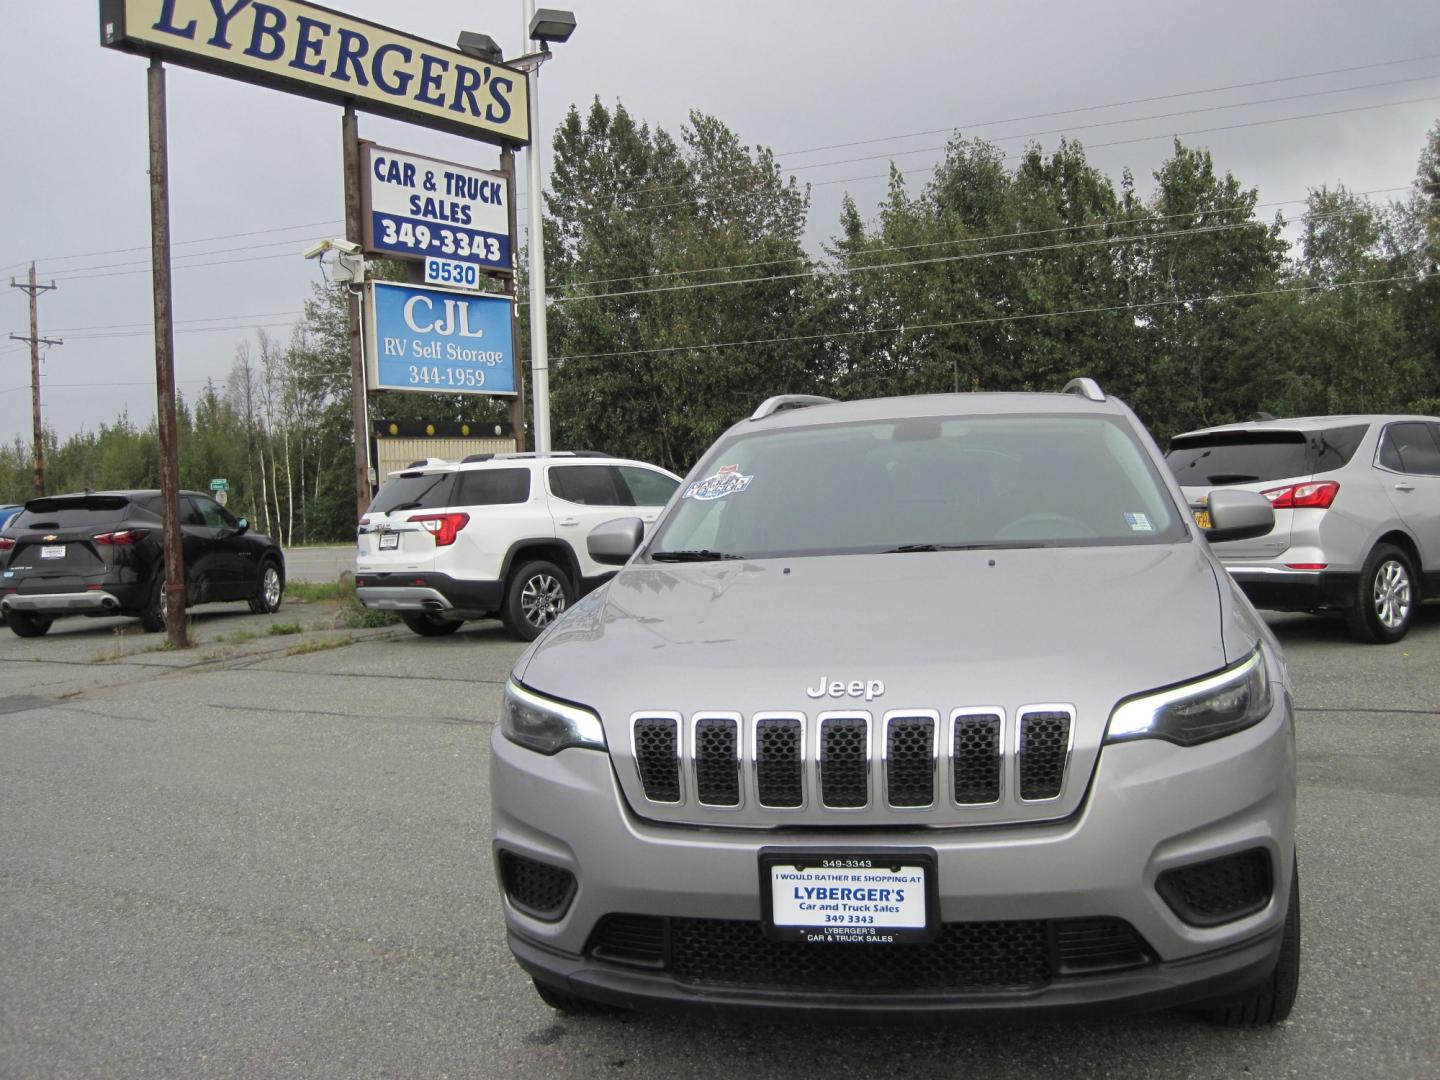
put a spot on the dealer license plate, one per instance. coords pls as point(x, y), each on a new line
point(389, 541)
point(52, 551)
point(1202, 518)
point(876, 899)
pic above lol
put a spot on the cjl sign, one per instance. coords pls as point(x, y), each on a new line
point(416, 207)
point(437, 341)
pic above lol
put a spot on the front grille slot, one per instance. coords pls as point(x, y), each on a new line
point(1043, 753)
point(536, 888)
point(657, 756)
point(1219, 890)
point(910, 760)
point(977, 758)
point(1088, 946)
point(778, 762)
point(717, 761)
point(845, 761)
point(636, 940)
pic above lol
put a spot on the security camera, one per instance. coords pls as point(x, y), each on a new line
point(314, 251)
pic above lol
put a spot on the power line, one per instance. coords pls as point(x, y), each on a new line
point(146, 325)
point(980, 322)
point(1081, 127)
point(978, 238)
point(1119, 104)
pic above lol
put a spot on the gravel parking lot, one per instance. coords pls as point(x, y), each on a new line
point(267, 856)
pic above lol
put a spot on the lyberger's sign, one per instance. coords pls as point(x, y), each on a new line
point(311, 50)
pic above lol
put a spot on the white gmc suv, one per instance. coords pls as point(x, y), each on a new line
point(491, 535)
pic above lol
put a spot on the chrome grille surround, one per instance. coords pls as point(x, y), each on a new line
point(790, 791)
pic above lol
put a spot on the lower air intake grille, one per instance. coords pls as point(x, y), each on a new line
point(657, 755)
point(536, 888)
point(845, 761)
point(1219, 891)
point(974, 956)
point(717, 762)
point(965, 956)
point(910, 760)
point(1044, 746)
point(977, 759)
point(778, 762)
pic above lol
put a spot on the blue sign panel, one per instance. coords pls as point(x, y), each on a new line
point(437, 341)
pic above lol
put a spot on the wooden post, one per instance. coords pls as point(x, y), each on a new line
point(165, 359)
point(350, 137)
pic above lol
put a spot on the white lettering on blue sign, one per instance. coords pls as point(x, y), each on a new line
point(429, 339)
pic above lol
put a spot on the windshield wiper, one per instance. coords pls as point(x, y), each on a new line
point(1231, 478)
point(695, 555)
point(416, 505)
point(994, 545)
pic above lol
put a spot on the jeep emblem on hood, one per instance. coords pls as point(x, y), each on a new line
point(869, 689)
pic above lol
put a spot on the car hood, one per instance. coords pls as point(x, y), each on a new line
point(941, 630)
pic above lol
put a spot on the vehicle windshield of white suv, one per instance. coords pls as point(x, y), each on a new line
point(922, 484)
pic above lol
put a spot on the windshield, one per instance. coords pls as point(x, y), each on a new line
point(920, 485)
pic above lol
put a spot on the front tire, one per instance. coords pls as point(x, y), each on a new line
point(534, 598)
point(1271, 1001)
point(27, 625)
point(269, 588)
point(429, 625)
point(1386, 597)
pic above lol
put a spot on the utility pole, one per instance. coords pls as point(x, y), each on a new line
point(36, 341)
point(350, 151)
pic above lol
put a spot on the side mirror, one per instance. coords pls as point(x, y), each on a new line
point(242, 526)
point(1238, 515)
point(613, 542)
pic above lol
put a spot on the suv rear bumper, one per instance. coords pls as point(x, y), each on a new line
point(426, 592)
point(113, 599)
point(1279, 588)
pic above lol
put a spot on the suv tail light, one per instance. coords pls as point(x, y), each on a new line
point(6, 543)
point(123, 538)
point(1299, 496)
point(443, 526)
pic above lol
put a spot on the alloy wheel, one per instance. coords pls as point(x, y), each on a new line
point(542, 600)
point(1392, 593)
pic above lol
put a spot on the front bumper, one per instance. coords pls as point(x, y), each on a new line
point(1150, 807)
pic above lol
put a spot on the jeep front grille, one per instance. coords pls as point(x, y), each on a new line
point(968, 766)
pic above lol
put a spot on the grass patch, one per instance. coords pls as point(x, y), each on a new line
point(283, 628)
point(308, 592)
point(318, 646)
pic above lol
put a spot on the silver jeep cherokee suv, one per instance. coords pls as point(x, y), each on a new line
point(920, 705)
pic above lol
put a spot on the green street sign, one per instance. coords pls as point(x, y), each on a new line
point(220, 484)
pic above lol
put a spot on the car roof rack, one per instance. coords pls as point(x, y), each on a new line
point(784, 402)
point(468, 458)
point(1089, 389)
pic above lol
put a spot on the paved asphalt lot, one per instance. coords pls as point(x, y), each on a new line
point(250, 859)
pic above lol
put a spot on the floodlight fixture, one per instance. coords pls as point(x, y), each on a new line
point(480, 46)
point(552, 25)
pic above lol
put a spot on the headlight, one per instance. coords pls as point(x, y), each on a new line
point(547, 726)
point(1200, 711)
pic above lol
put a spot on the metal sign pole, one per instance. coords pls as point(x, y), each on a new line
point(517, 404)
point(165, 359)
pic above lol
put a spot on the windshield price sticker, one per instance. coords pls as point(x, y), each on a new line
point(849, 900)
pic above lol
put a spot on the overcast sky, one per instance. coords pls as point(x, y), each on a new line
point(793, 75)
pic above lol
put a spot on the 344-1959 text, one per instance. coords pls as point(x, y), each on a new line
point(433, 375)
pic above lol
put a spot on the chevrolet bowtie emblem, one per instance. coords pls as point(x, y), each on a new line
point(51, 537)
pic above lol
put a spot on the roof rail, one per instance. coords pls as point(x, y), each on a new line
point(1089, 389)
point(469, 458)
point(783, 402)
